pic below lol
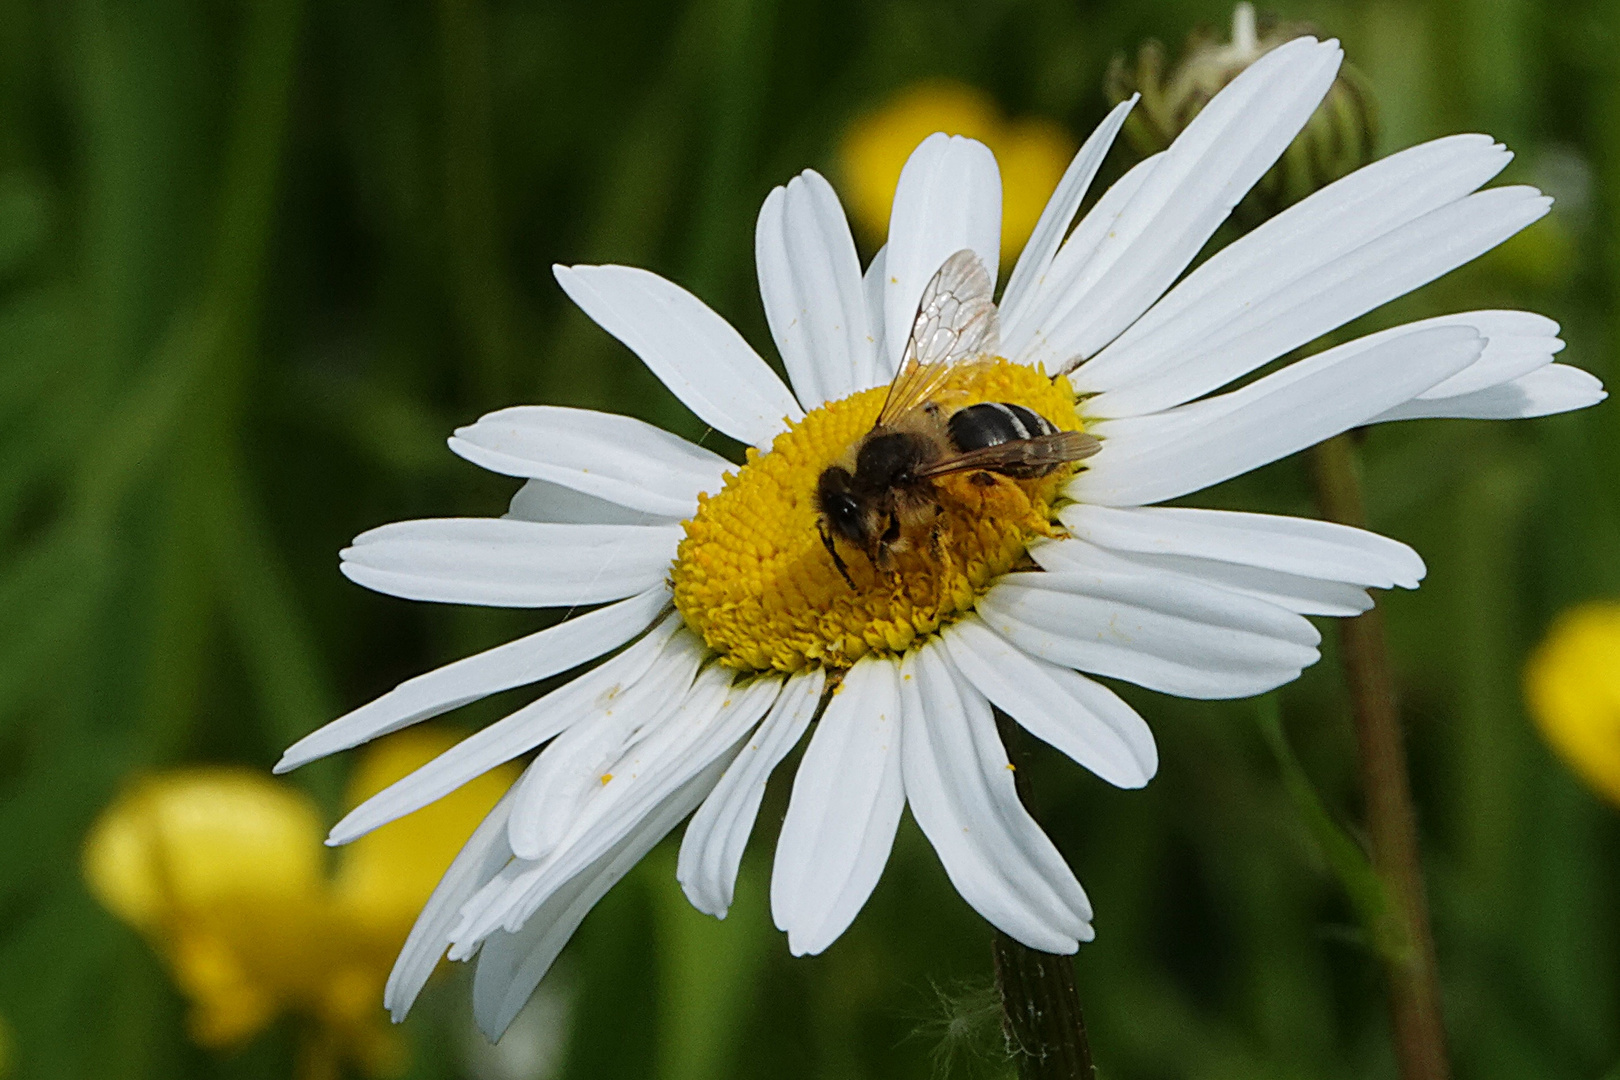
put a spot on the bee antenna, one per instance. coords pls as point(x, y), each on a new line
point(838, 561)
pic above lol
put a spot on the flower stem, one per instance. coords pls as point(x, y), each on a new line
point(1040, 1012)
point(1040, 1007)
point(1414, 983)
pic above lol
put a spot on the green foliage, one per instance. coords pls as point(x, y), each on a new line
point(258, 259)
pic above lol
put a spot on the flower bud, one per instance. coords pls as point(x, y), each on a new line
point(1338, 139)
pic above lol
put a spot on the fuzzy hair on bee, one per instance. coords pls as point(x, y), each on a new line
point(883, 487)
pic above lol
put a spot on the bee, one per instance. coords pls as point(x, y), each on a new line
point(886, 480)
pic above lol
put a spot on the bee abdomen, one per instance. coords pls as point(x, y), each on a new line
point(992, 423)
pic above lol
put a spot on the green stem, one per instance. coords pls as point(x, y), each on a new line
point(1420, 1037)
point(1040, 1006)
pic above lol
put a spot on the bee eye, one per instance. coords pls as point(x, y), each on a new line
point(844, 507)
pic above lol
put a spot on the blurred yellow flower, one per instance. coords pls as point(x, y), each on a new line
point(224, 871)
point(1033, 154)
point(1572, 684)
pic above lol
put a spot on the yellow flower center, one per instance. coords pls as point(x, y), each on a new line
point(754, 579)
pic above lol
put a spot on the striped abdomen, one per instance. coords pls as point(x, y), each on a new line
point(992, 423)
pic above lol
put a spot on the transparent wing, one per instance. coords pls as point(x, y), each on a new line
point(1057, 448)
point(956, 324)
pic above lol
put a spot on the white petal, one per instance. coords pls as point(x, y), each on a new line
point(1156, 629)
point(810, 282)
point(517, 663)
point(1036, 258)
point(696, 353)
point(1062, 708)
point(874, 285)
point(1023, 331)
point(581, 761)
point(508, 737)
point(1301, 595)
point(502, 562)
point(948, 198)
point(708, 726)
point(712, 848)
point(543, 501)
point(1228, 146)
point(1516, 343)
point(1379, 232)
point(617, 458)
point(1309, 548)
point(480, 858)
point(1152, 458)
point(843, 812)
point(511, 965)
point(961, 790)
point(1554, 388)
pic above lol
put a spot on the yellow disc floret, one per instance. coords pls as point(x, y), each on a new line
point(754, 579)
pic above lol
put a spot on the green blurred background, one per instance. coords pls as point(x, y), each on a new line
point(258, 259)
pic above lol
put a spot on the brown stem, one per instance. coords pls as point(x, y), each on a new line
point(1420, 1036)
point(1040, 1007)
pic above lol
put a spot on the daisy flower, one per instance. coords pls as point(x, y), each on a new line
point(732, 627)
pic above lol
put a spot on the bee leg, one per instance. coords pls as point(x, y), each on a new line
point(838, 561)
point(892, 533)
point(936, 546)
point(881, 555)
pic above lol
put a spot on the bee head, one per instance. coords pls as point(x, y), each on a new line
point(844, 513)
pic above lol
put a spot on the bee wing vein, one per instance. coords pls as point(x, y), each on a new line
point(956, 322)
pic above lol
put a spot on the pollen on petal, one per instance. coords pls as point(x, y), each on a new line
point(754, 579)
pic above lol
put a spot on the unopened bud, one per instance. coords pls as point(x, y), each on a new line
point(1338, 139)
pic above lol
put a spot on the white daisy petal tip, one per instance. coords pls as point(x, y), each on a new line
point(948, 198)
point(712, 848)
point(1080, 717)
point(811, 288)
point(843, 812)
point(698, 355)
point(963, 795)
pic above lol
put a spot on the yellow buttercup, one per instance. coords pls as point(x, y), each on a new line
point(1032, 152)
point(1572, 684)
point(224, 871)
